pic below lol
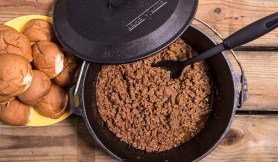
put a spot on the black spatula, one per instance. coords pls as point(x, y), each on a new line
point(243, 36)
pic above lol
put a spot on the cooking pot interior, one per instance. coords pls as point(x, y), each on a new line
point(216, 126)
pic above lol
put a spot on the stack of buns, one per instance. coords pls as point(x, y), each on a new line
point(33, 73)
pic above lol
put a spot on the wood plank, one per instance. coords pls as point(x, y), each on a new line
point(226, 16)
point(56, 143)
point(10, 9)
point(251, 138)
point(85, 143)
point(261, 70)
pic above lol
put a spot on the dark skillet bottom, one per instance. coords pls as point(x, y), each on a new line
point(217, 125)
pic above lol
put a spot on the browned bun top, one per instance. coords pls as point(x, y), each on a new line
point(48, 57)
point(15, 113)
point(14, 42)
point(38, 30)
point(15, 74)
point(5, 27)
point(54, 104)
point(40, 86)
point(6, 99)
point(67, 76)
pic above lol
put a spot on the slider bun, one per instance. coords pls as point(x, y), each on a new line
point(40, 87)
point(5, 27)
point(38, 30)
point(6, 99)
point(14, 42)
point(15, 74)
point(54, 104)
point(15, 113)
point(48, 58)
point(67, 76)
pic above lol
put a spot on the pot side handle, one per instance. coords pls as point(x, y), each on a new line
point(243, 91)
point(76, 104)
point(240, 79)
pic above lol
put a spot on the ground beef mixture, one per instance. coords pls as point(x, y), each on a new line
point(147, 109)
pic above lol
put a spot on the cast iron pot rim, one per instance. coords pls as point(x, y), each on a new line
point(82, 111)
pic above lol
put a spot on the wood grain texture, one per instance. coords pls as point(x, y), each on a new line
point(251, 138)
point(227, 16)
point(261, 70)
point(55, 143)
point(10, 9)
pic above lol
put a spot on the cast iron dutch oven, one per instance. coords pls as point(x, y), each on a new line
point(225, 104)
point(120, 31)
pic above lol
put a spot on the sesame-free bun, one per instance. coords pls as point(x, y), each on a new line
point(15, 113)
point(54, 104)
point(5, 27)
point(6, 99)
point(67, 76)
point(14, 42)
point(40, 86)
point(15, 74)
point(49, 58)
point(38, 30)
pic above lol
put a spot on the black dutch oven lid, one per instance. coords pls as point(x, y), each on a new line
point(120, 31)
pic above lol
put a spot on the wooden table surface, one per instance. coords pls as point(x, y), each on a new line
point(254, 132)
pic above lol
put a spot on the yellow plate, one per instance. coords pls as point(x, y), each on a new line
point(35, 119)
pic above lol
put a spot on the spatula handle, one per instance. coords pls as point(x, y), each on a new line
point(252, 31)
